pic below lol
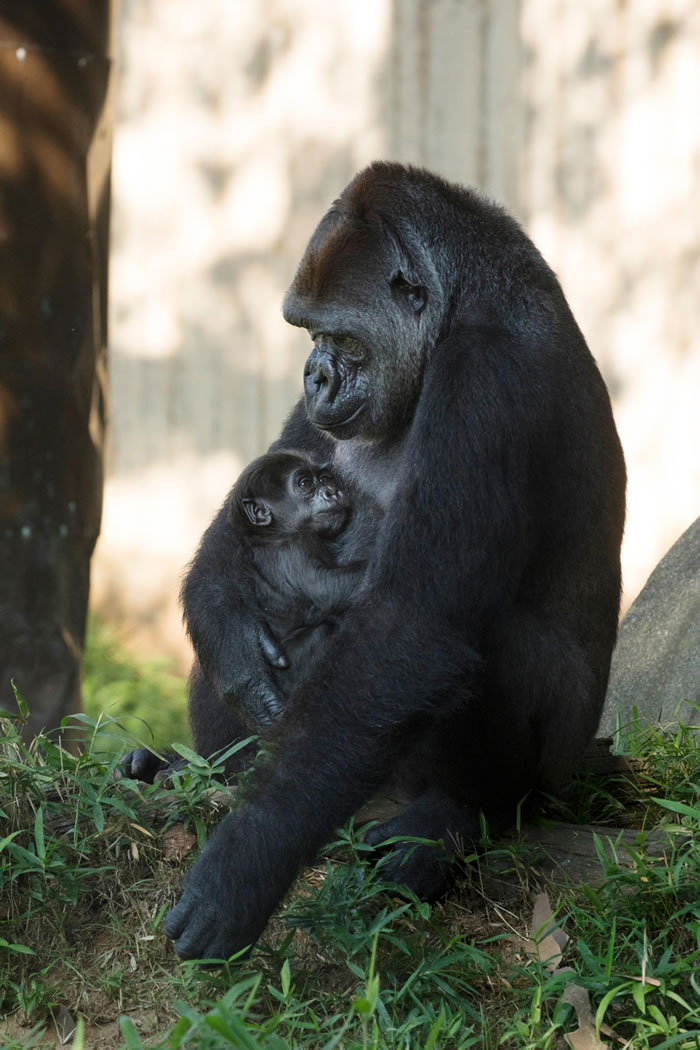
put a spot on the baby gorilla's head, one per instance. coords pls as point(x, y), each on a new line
point(284, 493)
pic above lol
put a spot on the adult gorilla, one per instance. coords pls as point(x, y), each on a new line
point(449, 379)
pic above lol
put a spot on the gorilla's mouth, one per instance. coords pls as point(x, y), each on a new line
point(336, 424)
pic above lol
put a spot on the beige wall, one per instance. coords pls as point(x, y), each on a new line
point(238, 122)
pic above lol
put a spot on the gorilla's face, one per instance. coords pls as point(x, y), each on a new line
point(337, 385)
point(363, 377)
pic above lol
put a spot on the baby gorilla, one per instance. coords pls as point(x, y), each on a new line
point(306, 539)
point(303, 539)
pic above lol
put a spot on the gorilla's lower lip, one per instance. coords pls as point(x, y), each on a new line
point(337, 423)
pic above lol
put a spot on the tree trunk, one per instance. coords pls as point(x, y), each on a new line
point(55, 146)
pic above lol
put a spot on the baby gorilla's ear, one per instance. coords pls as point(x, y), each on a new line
point(257, 511)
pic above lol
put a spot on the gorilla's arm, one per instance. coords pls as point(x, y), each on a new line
point(408, 650)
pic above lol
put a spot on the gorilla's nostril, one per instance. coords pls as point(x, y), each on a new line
point(317, 374)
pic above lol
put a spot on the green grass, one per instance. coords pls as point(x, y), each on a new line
point(87, 873)
point(147, 700)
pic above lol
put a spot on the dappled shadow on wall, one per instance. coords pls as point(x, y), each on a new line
point(237, 126)
point(611, 174)
point(233, 138)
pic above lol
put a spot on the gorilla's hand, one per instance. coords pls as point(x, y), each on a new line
point(229, 894)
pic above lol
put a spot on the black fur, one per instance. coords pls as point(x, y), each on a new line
point(454, 385)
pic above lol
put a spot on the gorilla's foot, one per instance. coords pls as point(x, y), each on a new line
point(425, 840)
point(142, 764)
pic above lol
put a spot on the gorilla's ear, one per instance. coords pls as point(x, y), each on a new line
point(257, 511)
point(412, 296)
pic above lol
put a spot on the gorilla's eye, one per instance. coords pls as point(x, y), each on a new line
point(304, 482)
point(349, 346)
point(413, 296)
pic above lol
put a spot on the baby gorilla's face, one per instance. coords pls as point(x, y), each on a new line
point(322, 504)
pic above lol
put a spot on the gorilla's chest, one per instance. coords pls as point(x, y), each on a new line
point(374, 469)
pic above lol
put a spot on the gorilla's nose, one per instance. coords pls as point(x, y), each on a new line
point(320, 378)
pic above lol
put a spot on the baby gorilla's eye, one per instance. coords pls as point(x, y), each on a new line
point(304, 482)
point(325, 479)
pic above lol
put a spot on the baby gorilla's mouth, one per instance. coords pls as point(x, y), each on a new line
point(332, 519)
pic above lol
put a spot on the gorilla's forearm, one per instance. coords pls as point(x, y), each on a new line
point(254, 855)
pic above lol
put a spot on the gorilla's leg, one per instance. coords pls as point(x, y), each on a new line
point(464, 786)
point(538, 709)
point(545, 683)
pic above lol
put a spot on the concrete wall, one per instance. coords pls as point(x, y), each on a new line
point(239, 122)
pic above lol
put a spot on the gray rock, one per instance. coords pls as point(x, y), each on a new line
point(656, 663)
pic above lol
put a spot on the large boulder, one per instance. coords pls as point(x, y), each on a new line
point(656, 663)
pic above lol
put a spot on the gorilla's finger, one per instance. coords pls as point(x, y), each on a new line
point(271, 649)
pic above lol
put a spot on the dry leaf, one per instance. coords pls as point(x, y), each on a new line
point(144, 831)
point(585, 1036)
point(647, 980)
point(547, 941)
point(65, 1023)
point(177, 842)
point(585, 1039)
